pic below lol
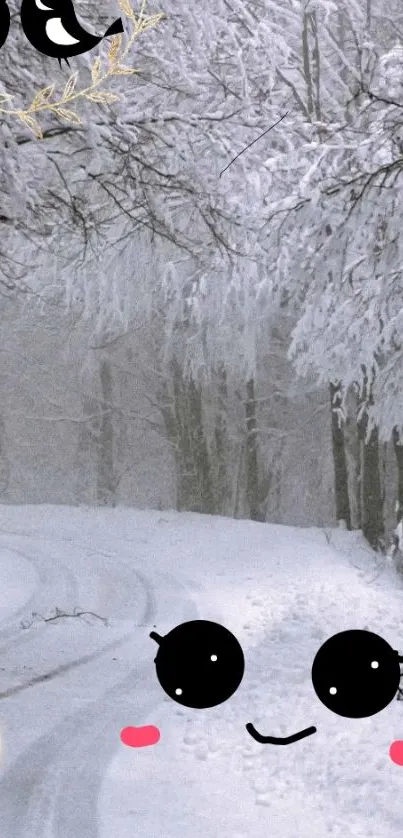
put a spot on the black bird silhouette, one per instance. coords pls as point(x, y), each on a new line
point(4, 22)
point(53, 29)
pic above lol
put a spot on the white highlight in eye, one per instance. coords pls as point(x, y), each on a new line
point(374, 664)
point(178, 691)
point(333, 690)
point(42, 6)
point(213, 657)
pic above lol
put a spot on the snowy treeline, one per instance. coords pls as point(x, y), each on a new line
point(215, 317)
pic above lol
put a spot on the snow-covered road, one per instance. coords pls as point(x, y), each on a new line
point(59, 735)
point(64, 772)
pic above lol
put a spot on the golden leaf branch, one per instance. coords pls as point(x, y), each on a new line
point(42, 100)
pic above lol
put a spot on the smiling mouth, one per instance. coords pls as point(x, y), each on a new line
point(279, 740)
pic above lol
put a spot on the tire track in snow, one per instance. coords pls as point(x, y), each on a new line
point(126, 703)
point(52, 580)
point(66, 667)
point(52, 789)
point(51, 576)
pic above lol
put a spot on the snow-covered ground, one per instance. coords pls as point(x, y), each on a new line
point(282, 591)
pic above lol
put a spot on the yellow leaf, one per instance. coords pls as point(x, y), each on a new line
point(96, 70)
point(147, 22)
point(5, 97)
point(70, 85)
point(43, 96)
point(121, 70)
point(69, 116)
point(114, 48)
point(31, 123)
point(106, 98)
point(126, 8)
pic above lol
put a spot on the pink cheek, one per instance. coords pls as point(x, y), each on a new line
point(396, 752)
point(140, 737)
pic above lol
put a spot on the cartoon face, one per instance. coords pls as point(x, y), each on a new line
point(200, 664)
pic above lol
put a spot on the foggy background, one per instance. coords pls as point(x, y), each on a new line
point(183, 329)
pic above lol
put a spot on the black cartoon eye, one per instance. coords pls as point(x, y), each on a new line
point(199, 664)
point(356, 674)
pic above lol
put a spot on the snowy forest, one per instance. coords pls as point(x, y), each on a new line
point(201, 285)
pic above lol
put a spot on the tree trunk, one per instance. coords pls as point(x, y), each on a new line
point(84, 461)
point(352, 444)
point(106, 485)
point(184, 424)
point(316, 64)
point(398, 446)
point(252, 454)
point(241, 457)
point(372, 506)
point(307, 64)
point(4, 459)
point(372, 524)
point(199, 450)
point(221, 445)
point(339, 458)
point(184, 469)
